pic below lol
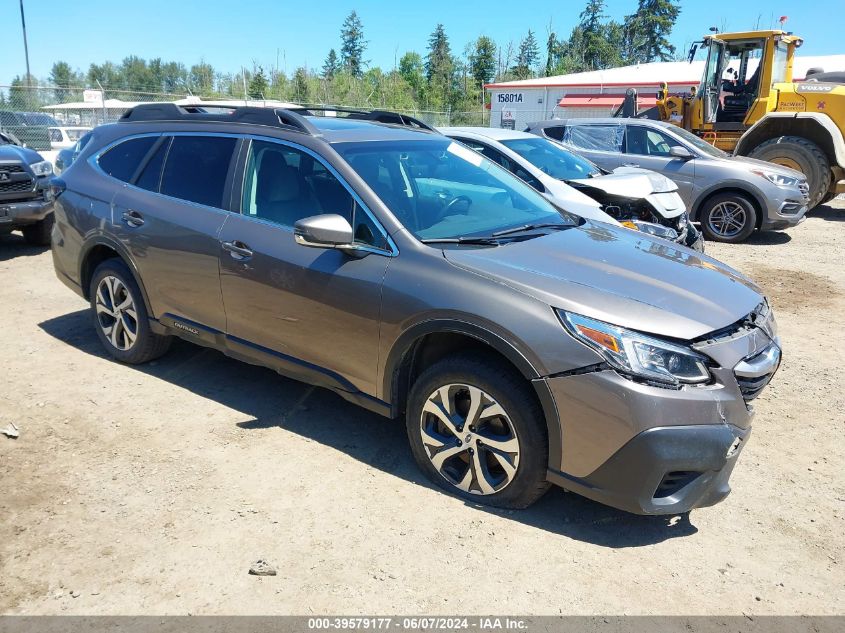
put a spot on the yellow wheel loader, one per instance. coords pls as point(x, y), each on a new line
point(748, 104)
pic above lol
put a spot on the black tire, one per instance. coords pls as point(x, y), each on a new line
point(510, 390)
point(830, 195)
point(38, 234)
point(147, 345)
point(711, 212)
point(809, 158)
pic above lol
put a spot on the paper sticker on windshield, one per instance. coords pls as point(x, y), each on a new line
point(466, 153)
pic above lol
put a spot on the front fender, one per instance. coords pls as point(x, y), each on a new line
point(404, 345)
point(732, 184)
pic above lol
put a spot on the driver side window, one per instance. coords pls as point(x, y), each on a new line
point(644, 141)
point(284, 185)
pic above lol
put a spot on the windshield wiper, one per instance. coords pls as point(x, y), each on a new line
point(486, 241)
point(532, 227)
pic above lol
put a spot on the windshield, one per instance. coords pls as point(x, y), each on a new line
point(440, 189)
point(552, 159)
point(699, 144)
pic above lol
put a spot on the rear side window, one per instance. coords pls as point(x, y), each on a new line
point(196, 169)
point(603, 138)
point(123, 159)
point(150, 177)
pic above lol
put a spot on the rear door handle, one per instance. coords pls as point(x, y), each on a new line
point(238, 250)
point(133, 218)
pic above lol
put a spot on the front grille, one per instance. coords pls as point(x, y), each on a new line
point(751, 387)
point(21, 186)
point(11, 169)
point(674, 481)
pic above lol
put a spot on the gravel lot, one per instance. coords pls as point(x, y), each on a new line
point(140, 490)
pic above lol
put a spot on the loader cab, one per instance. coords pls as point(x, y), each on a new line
point(738, 76)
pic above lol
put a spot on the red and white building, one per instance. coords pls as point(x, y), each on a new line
point(598, 93)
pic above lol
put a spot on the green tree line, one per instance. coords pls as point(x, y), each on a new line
point(438, 79)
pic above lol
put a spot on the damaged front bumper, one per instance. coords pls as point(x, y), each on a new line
point(650, 449)
point(647, 449)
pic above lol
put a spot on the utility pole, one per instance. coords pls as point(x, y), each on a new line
point(25, 48)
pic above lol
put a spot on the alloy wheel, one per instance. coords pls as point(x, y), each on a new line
point(469, 439)
point(727, 219)
point(116, 313)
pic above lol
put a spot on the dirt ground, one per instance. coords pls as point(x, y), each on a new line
point(151, 490)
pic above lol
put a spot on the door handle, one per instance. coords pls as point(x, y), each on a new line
point(133, 218)
point(630, 164)
point(238, 250)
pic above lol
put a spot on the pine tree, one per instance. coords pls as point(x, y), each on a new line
point(553, 54)
point(331, 66)
point(599, 42)
point(647, 31)
point(353, 45)
point(438, 62)
point(527, 56)
point(482, 60)
point(300, 86)
point(439, 67)
point(258, 85)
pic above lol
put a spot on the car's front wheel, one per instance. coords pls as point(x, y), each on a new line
point(120, 316)
point(728, 217)
point(477, 430)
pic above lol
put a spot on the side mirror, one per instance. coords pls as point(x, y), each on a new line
point(323, 231)
point(683, 153)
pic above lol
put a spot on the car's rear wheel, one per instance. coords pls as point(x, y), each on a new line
point(728, 217)
point(477, 430)
point(120, 316)
point(38, 234)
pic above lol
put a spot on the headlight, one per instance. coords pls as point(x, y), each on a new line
point(658, 230)
point(44, 168)
point(638, 355)
point(777, 179)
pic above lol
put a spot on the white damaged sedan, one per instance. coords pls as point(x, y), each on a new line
point(637, 198)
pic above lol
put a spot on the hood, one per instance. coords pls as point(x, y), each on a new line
point(629, 182)
point(753, 163)
point(570, 199)
point(15, 153)
point(621, 277)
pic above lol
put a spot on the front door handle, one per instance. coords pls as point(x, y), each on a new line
point(133, 218)
point(238, 250)
point(630, 164)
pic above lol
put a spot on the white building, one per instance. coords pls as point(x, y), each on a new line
point(598, 93)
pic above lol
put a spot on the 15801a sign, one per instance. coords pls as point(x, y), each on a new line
point(509, 97)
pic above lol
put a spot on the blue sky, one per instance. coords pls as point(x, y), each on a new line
point(230, 34)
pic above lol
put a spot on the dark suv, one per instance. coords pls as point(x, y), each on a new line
point(26, 198)
point(415, 277)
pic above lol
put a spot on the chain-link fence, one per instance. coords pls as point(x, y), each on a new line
point(44, 117)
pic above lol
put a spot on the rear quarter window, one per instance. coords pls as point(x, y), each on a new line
point(555, 132)
point(197, 167)
point(123, 159)
point(602, 138)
